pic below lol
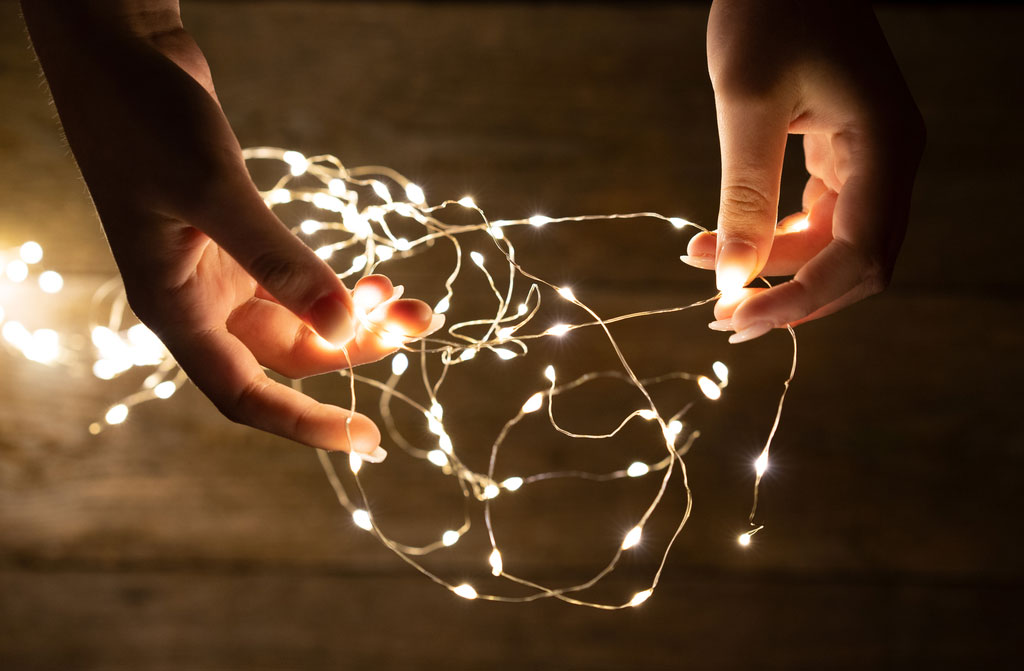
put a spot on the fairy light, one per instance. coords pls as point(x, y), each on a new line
point(356, 226)
point(31, 252)
point(632, 538)
point(50, 281)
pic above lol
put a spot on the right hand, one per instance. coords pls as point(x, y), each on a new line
point(206, 265)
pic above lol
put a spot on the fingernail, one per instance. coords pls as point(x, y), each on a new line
point(699, 261)
point(721, 325)
point(397, 292)
point(378, 455)
point(755, 330)
point(735, 265)
point(332, 319)
point(436, 322)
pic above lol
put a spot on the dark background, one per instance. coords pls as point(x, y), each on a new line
point(892, 507)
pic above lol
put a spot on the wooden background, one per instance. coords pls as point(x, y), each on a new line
point(182, 541)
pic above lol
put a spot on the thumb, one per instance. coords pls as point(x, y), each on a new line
point(753, 139)
point(241, 223)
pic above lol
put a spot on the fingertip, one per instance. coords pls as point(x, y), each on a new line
point(371, 291)
point(703, 244)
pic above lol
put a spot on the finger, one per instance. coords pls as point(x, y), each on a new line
point(239, 221)
point(798, 238)
point(726, 306)
point(223, 368)
point(753, 137)
point(282, 342)
point(820, 159)
point(813, 190)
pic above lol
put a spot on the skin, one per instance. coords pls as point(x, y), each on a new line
point(205, 263)
point(230, 290)
point(822, 70)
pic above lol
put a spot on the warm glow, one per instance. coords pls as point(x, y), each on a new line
point(632, 538)
point(534, 402)
point(640, 597)
point(51, 281)
point(362, 519)
point(709, 388)
point(466, 591)
point(495, 562)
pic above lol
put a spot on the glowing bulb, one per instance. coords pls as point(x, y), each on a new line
point(337, 187)
point(435, 427)
point(165, 389)
point(539, 220)
point(325, 202)
point(513, 483)
point(801, 224)
point(450, 538)
point(637, 468)
point(95, 429)
point(384, 252)
point(647, 414)
point(402, 244)
point(467, 201)
point(297, 163)
point(50, 281)
point(495, 232)
point(640, 597)
point(709, 388)
point(731, 279)
point(505, 333)
point(558, 330)
point(116, 414)
point(679, 222)
point(504, 354)
point(442, 306)
point(437, 457)
point(437, 410)
point(382, 191)
point(567, 294)
point(44, 346)
point(466, 591)
point(358, 264)
point(399, 363)
point(279, 196)
point(632, 538)
point(721, 371)
point(549, 373)
point(673, 429)
point(744, 539)
point(362, 519)
point(467, 355)
point(31, 252)
point(761, 465)
point(491, 491)
point(16, 334)
point(310, 226)
point(17, 270)
point(325, 252)
point(354, 462)
point(495, 562)
point(105, 369)
point(415, 194)
point(534, 402)
point(478, 258)
point(444, 441)
point(521, 310)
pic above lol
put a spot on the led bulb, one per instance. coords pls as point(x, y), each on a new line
point(513, 483)
point(709, 388)
point(310, 226)
point(478, 258)
point(567, 294)
point(467, 355)
point(50, 281)
point(442, 306)
point(549, 373)
point(504, 354)
point(679, 222)
point(539, 220)
point(415, 194)
point(337, 187)
point(437, 410)
point(640, 597)
point(362, 519)
point(399, 363)
point(632, 538)
point(761, 465)
point(445, 443)
point(165, 389)
point(744, 539)
point(533, 403)
point(17, 271)
point(466, 591)
point(647, 414)
point(495, 562)
point(450, 538)
point(437, 457)
point(467, 201)
point(637, 468)
point(721, 371)
point(116, 414)
point(558, 330)
point(31, 252)
point(491, 491)
point(382, 191)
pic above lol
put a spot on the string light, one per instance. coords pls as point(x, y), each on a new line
point(358, 210)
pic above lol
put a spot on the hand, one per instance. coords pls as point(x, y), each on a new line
point(205, 263)
point(823, 70)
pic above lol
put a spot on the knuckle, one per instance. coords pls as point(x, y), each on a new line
point(744, 201)
point(242, 407)
point(281, 275)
